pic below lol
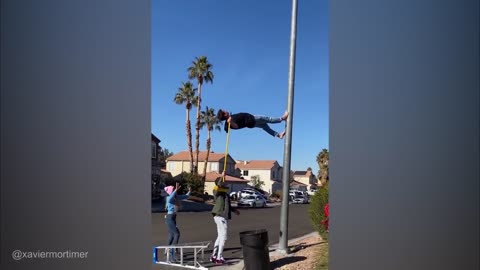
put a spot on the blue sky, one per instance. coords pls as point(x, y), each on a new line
point(248, 44)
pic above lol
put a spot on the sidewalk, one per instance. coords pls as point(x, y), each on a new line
point(273, 252)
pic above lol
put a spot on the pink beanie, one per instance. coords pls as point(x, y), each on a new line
point(169, 189)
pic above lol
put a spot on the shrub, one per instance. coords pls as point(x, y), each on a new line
point(193, 181)
point(276, 195)
point(316, 210)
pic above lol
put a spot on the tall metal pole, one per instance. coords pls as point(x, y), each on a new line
point(283, 241)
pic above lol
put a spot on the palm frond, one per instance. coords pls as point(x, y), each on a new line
point(201, 70)
point(185, 94)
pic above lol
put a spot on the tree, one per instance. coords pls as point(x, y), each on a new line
point(322, 160)
point(191, 180)
point(186, 95)
point(256, 182)
point(164, 154)
point(209, 119)
point(201, 71)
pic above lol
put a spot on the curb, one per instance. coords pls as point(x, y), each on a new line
point(272, 251)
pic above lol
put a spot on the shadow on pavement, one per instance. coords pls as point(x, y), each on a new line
point(286, 260)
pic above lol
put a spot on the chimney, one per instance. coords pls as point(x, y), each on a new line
point(245, 162)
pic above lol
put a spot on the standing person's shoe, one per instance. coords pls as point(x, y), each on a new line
point(173, 260)
point(220, 261)
point(213, 259)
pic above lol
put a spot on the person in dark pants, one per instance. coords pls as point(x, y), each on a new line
point(246, 120)
point(221, 214)
point(172, 204)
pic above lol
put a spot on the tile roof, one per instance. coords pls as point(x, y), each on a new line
point(255, 164)
point(303, 173)
point(297, 183)
point(211, 176)
point(185, 156)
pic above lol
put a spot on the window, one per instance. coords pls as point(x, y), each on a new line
point(245, 173)
point(273, 174)
point(214, 166)
point(171, 166)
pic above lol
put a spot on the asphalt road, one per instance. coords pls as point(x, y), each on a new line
point(199, 226)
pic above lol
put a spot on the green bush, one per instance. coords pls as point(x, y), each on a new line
point(193, 181)
point(316, 210)
point(277, 194)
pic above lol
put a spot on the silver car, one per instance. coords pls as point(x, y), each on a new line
point(300, 199)
point(252, 201)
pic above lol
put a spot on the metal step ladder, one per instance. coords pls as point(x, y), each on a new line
point(198, 248)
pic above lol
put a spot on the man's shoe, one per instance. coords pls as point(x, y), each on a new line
point(213, 259)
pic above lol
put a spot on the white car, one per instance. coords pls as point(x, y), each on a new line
point(250, 192)
point(252, 201)
point(311, 192)
point(300, 199)
point(245, 193)
point(296, 193)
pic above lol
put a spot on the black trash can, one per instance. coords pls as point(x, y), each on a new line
point(255, 249)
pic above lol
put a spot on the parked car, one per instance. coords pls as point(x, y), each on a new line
point(312, 191)
point(245, 192)
point(234, 195)
point(300, 199)
point(296, 193)
point(249, 192)
point(252, 201)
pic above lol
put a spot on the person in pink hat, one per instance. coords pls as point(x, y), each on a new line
point(172, 205)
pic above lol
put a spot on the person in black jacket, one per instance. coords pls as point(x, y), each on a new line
point(246, 120)
point(221, 214)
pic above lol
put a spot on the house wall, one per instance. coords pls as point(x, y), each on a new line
point(270, 185)
point(184, 166)
point(306, 180)
point(276, 186)
point(232, 187)
point(299, 187)
point(177, 167)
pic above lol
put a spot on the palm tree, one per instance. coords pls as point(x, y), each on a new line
point(322, 160)
point(209, 119)
point(186, 95)
point(200, 70)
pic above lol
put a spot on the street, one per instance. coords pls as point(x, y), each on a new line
point(199, 226)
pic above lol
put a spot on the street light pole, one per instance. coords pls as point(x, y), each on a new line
point(283, 241)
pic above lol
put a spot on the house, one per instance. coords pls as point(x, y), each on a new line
point(158, 172)
point(296, 185)
point(180, 162)
point(269, 171)
point(156, 150)
point(234, 183)
point(305, 177)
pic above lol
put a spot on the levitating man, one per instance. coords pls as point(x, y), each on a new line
point(246, 120)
